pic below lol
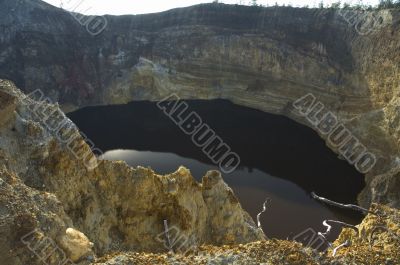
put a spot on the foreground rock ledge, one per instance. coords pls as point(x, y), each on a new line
point(371, 246)
point(50, 194)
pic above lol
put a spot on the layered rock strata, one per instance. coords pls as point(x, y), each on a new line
point(264, 58)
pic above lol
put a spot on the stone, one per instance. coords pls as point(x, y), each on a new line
point(75, 244)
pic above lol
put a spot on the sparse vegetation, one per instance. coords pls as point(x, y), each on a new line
point(383, 4)
point(336, 5)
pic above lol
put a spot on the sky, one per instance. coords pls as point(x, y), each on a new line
point(121, 7)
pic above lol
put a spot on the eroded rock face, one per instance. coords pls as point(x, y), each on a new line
point(48, 189)
point(8, 106)
point(264, 58)
point(378, 242)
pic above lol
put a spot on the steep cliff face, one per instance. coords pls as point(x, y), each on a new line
point(263, 58)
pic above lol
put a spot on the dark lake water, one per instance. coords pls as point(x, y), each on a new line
point(280, 159)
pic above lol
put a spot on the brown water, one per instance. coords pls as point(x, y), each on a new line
point(280, 159)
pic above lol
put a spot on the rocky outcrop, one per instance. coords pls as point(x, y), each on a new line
point(51, 195)
point(377, 242)
point(264, 58)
